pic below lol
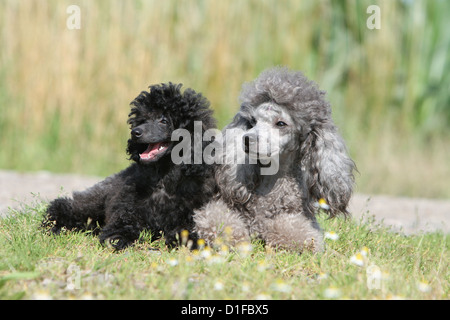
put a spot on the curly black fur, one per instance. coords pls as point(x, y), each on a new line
point(153, 193)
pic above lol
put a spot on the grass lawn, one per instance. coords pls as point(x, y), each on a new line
point(366, 261)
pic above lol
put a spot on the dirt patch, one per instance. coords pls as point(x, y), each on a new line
point(18, 188)
point(411, 215)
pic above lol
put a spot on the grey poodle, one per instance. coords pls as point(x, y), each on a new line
point(282, 153)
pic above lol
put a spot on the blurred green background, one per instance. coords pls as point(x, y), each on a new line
point(65, 94)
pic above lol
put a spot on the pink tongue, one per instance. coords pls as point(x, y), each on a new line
point(151, 151)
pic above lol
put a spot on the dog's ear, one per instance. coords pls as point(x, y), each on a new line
point(241, 119)
point(326, 168)
point(236, 178)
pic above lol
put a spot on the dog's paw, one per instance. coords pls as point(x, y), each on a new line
point(292, 232)
point(116, 242)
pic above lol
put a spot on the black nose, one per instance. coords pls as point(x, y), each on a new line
point(137, 132)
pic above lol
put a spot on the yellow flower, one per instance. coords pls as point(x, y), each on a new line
point(184, 233)
point(189, 259)
point(201, 243)
point(228, 230)
point(184, 237)
point(224, 250)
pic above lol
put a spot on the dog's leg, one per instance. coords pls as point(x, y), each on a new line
point(86, 211)
point(80, 213)
point(292, 232)
point(216, 220)
point(60, 214)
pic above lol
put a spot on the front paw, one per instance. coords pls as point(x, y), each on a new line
point(116, 242)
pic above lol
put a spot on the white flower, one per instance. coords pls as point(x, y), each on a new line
point(87, 296)
point(357, 259)
point(224, 250)
point(218, 286)
point(262, 265)
point(332, 293)
point(263, 296)
point(360, 258)
point(331, 235)
point(172, 262)
point(322, 203)
point(423, 286)
point(281, 286)
point(214, 259)
point(244, 248)
point(41, 295)
point(206, 253)
point(322, 276)
point(365, 251)
point(394, 297)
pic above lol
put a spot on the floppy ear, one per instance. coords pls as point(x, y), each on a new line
point(236, 178)
point(327, 170)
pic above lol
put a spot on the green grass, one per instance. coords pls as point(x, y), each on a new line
point(34, 265)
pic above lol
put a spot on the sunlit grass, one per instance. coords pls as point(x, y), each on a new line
point(72, 265)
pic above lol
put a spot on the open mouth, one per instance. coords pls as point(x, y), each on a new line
point(153, 151)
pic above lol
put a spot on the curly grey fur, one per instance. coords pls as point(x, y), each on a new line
point(313, 164)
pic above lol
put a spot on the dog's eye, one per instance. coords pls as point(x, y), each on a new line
point(163, 121)
point(281, 124)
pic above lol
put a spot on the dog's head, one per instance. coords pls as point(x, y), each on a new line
point(270, 133)
point(157, 113)
point(286, 117)
point(150, 136)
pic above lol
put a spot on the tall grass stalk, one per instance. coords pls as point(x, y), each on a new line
point(64, 94)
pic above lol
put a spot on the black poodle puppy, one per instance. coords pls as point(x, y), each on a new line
point(154, 193)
